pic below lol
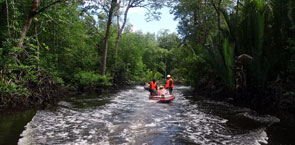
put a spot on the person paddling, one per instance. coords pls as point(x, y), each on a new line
point(153, 86)
point(169, 84)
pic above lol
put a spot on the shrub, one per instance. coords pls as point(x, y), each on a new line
point(91, 79)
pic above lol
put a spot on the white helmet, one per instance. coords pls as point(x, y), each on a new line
point(168, 76)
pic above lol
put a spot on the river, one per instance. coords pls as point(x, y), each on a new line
point(129, 117)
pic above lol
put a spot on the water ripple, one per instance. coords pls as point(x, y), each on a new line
point(131, 118)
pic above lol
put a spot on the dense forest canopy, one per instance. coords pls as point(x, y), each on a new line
point(86, 45)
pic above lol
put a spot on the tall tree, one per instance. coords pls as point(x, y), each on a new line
point(151, 5)
point(33, 12)
point(120, 28)
point(127, 4)
point(107, 35)
point(217, 9)
point(237, 10)
point(7, 17)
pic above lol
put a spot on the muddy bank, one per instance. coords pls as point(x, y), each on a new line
point(40, 97)
point(48, 93)
point(262, 101)
point(40, 93)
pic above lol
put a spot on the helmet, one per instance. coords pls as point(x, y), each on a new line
point(161, 87)
point(168, 76)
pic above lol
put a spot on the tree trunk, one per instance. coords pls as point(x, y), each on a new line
point(28, 23)
point(120, 29)
point(116, 49)
point(32, 14)
point(38, 49)
point(13, 18)
point(105, 50)
point(238, 1)
point(106, 40)
point(204, 22)
point(217, 9)
point(118, 36)
point(7, 18)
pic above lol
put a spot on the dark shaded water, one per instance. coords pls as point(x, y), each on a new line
point(129, 117)
point(12, 124)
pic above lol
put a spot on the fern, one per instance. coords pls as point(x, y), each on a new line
point(228, 50)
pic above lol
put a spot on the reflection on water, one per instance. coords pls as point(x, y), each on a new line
point(129, 117)
point(12, 124)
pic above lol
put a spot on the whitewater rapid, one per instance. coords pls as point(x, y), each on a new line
point(129, 117)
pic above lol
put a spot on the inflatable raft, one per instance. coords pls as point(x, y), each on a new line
point(162, 98)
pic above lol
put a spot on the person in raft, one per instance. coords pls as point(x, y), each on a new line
point(153, 87)
point(161, 91)
point(169, 84)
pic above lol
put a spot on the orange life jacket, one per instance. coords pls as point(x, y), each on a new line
point(153, 85)
point(168, 85)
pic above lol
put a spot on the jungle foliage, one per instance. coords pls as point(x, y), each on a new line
point(64, 45)
point(241, 51)
point(221, 31)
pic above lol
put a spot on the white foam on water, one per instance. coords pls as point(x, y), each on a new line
point(158, 119)
point(26, 136)
point(151, 125)
point(136, 125)
point(110, 126)
point(182, 87)
point(105, 112)
point(64, 103)
point(131, 118)
point(263, 138)
point(139, 87)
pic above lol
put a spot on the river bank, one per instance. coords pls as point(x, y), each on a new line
point(40, 97)
point(47, 95)
point(276, 100)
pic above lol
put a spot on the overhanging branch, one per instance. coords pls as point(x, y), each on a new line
point(46, 7)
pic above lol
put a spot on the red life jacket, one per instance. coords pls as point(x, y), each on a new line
point(168, 85)
point(153, 85)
